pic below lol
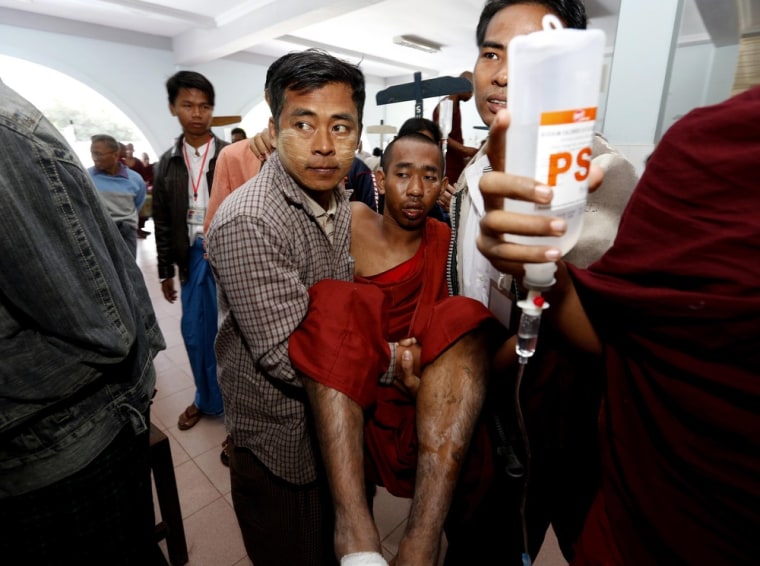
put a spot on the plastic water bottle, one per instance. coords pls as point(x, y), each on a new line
point(553, 93)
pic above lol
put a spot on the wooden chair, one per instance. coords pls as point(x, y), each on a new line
point(171, 526)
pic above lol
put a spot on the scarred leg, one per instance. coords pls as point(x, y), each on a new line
point(449, 400)
point(340, 429)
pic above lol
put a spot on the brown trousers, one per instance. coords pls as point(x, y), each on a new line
point(282, 523)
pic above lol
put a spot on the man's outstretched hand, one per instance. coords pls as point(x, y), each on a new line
point(407, 366)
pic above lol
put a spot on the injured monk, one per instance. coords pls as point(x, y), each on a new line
point(361, 348)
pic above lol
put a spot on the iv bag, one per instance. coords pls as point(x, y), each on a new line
point(553, 92)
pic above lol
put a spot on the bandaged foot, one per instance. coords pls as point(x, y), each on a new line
point(363, 559)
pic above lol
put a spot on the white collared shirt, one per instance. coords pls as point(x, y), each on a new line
point(478, 279)
point(476, 271)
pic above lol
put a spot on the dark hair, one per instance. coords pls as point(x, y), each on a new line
point(388, 153)
point(274, 67)
point(377, 152)
point(109, 141)
point(238, 131)
point(417, 125)
point(571, 12)
point(305, 71)
point(189, 79)
point(271, 71)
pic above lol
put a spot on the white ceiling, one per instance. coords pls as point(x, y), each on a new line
point(198, 31)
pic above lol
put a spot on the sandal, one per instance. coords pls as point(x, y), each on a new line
point(189, 418)
point(225, 455)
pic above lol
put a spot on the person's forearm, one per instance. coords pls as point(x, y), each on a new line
point(162, 230)
point(567, 314)
point(455, 144)
point(251, 271)
point(220, 190)
point(505, 358)
point(390, 374)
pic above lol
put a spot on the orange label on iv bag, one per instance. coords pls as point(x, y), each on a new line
point(563, 153)
point(568, 116)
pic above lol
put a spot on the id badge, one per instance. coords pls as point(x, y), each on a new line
point(500, 300)
point(196, 215)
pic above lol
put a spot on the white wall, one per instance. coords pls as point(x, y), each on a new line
point(702, 75)
point(133, 78)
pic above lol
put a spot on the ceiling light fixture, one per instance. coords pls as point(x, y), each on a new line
point(417, 42)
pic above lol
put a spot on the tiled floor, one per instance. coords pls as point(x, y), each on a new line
point(213, 537)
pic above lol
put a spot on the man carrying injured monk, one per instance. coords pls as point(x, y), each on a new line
point(412, 435)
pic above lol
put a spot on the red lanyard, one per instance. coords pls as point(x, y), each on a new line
point(197, 183)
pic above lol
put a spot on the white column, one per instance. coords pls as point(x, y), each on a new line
point(645, 43)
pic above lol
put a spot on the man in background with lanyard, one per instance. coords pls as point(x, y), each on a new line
point(180, 197)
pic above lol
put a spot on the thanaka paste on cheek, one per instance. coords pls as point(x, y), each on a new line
point(345, 155)
point(285, 134)
point(287, 139)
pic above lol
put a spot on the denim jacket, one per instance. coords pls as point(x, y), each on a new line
point(77, 330)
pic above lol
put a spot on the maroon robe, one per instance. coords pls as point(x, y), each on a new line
point(676, 302)
point(343, 343)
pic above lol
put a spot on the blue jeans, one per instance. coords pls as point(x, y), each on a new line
point(199, 328)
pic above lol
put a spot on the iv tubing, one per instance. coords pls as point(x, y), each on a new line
point(538, 278)
point(524, 433)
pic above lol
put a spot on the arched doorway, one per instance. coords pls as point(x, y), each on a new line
point(74, 108)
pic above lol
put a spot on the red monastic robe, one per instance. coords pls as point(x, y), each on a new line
point(343, 343)
point(676, 302)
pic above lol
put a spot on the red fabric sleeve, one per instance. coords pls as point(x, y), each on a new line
point(341, 343)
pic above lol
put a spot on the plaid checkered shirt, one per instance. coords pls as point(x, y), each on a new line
point(267, 248)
